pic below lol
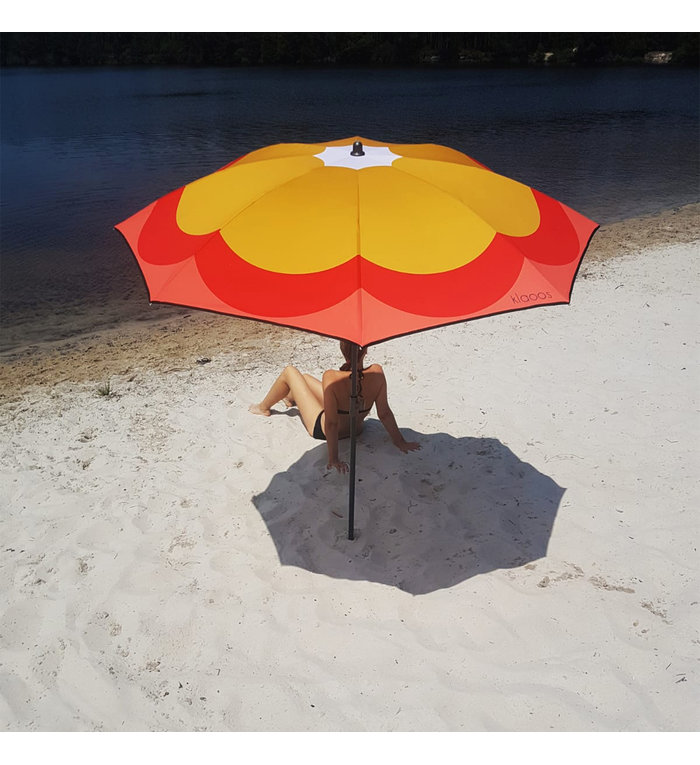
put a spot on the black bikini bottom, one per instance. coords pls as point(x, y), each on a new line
point(318, 430)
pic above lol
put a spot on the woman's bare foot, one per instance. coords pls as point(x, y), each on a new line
point(257, 409)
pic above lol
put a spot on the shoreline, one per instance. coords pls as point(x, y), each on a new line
point(180, 336)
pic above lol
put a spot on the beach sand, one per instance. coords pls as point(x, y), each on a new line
point(170, 562)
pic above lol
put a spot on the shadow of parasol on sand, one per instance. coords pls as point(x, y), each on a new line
point(429, 520)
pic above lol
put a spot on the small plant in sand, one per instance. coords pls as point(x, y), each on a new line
point(105, 390)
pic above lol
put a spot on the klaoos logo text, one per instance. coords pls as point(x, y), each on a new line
point(533, 297)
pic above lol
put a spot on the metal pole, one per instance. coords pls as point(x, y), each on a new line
point(353, 437)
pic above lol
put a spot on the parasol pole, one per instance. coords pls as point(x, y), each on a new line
point(354, 354)
point(357, 151)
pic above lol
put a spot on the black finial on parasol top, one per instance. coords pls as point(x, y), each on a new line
point(357, 150)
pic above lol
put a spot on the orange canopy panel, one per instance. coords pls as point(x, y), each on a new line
point(358, 246)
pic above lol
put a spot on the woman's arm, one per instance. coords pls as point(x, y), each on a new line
point(386, 416)
point(331, 423)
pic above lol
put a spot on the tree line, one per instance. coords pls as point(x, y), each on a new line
point(376, 49)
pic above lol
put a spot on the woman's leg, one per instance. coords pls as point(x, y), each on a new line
point(291, 384)
point(316, 388)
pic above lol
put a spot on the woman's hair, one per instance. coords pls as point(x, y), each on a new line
point(346, 349)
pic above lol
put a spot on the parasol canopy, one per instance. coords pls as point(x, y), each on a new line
point(358, 239)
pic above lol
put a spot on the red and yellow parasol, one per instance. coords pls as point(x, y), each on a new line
point(362, 244)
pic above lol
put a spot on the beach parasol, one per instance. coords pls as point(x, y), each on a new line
point(360, 240)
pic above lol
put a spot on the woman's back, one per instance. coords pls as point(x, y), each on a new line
point(370, 383)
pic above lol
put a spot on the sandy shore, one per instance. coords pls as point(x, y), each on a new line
point(171, 562)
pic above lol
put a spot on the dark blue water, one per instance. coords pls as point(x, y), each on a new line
point(84, 149)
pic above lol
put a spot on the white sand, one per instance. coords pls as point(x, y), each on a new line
point(170, 562)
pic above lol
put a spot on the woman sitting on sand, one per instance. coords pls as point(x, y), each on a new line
point(324, 404)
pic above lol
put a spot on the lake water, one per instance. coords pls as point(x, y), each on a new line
point(84, 149)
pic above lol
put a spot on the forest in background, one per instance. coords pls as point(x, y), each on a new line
point(375, 49)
